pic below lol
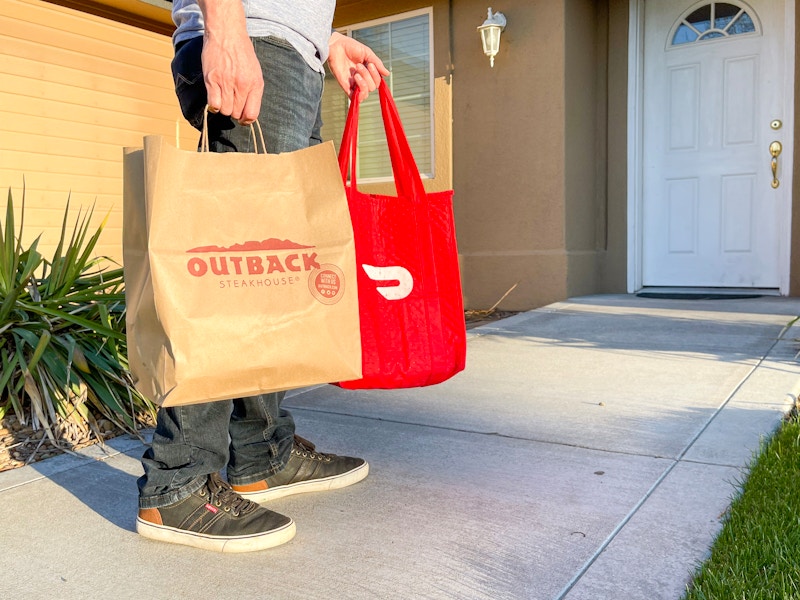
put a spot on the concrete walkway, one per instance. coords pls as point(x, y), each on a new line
point(589, 452)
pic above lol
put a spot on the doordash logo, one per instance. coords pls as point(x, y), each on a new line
point(403, 287)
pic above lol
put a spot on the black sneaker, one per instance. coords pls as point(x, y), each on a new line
point(306, 471)
point(216, 518)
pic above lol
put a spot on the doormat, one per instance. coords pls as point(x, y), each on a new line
point(695, 296)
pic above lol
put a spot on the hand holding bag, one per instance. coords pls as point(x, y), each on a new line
point(411, 309)
point(240, 272)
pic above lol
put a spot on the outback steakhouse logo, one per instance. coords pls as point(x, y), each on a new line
point(327, 284)
point(268, 263)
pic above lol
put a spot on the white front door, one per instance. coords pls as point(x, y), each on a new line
point(714, 100)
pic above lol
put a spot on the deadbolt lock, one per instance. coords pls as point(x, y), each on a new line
point(776, 124)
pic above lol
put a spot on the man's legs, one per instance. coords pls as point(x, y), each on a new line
point(266, 460)
point(261, 432)
point(190, 444)
point(182, 498)
point(191, 441)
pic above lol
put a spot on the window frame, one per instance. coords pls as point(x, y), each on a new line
point(348, 29)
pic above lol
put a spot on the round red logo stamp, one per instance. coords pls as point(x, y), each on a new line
point(327, 284)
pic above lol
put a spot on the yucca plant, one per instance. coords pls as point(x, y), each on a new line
point(62, 335)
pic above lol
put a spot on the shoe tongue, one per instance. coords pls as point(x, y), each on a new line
point(222, 490)
point(215, 483)
point(303, 443)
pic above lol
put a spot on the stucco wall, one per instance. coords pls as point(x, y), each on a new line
point(612, 262)
point(509, 155)
point(507, 158)
point(596, 51)
point(585, 148)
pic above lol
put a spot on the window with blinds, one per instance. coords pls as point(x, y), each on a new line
point(403, 44)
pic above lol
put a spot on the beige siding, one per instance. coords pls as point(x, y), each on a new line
point(74, 90)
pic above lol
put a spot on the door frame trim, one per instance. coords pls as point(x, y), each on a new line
point(635, 191)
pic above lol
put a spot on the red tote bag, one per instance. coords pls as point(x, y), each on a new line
point(409, 288)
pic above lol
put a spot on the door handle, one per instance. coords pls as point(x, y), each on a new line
point(775, 149)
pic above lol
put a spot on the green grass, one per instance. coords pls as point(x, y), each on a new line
point(757, 554)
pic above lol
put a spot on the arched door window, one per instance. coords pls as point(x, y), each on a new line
point(713, 20)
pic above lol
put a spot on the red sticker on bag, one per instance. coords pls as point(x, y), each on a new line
point(327, 284)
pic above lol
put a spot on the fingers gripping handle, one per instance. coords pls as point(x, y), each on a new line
point(255, 128)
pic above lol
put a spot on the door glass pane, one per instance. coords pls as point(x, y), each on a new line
point(724, 14)
point(743, 24)
point(701, 18)
point(684, 35)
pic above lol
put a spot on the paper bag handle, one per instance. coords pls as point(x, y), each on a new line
point(404, 167)
point(255, 126)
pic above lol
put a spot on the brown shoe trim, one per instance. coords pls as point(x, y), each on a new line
point(151, 515)
point(258, 486)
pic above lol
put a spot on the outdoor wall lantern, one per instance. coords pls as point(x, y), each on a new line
point(490, 34)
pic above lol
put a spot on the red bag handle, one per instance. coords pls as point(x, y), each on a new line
point(347, 150)
point(404, 167)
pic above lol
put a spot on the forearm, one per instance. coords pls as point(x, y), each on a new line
point(224, 19)
point(231, 70)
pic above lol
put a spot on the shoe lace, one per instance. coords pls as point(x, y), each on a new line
point(305, 448)
point(221, 494)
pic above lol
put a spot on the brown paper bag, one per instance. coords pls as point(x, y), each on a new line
point(240, 272)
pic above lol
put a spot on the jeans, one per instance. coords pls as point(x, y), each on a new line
point(251, 437)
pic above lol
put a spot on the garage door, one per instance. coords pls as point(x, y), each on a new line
point(74, 90)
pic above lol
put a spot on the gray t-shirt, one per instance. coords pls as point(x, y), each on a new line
point(305, 25)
